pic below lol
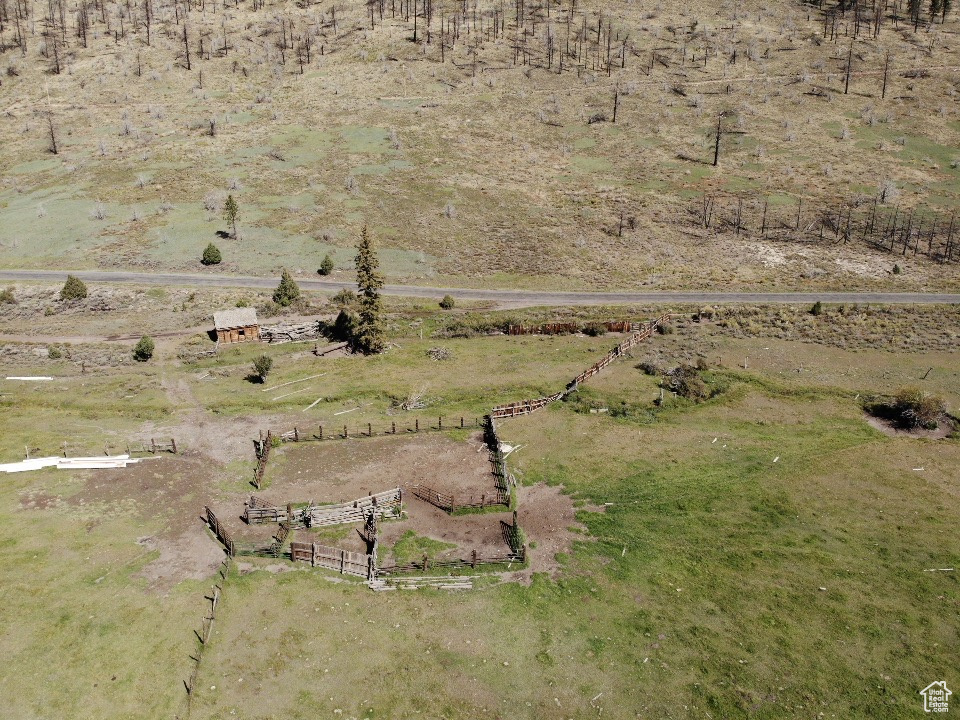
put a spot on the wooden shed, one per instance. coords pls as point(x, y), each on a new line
point(237, 325)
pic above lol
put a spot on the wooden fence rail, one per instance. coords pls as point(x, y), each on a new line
point(298, 434)
point(343, 561)
point(263, 454)
point(220, 531)
point(388, 503)
point(475, 560)
point(450, 502)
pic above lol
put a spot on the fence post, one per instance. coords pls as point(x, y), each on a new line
point(321, 432)
point(345, 431)
point(473, 559)
point(393, 427)
point(426, 561)
point(440, 423)
point(153, 446)
point(417, 425)
point(453, 503)
point(369, 429)
point(313, 554)
point(296, 434)
point(343, 558)
point(173, 442)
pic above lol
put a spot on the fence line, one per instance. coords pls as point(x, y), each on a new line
point(298, 434)
point(885, 227)
point(220, 531)
point(263, 454)
point(206, 629)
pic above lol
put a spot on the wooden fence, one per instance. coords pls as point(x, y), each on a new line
point(263, 454)
point(451, 502)
point(388, 503)
point(298, 434)
point(502, 479)
point(343, 561)
point(206, 629)
point(220, 531)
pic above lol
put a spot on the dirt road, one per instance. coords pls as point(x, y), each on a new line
point(506, 298)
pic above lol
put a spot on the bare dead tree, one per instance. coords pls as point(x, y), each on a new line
point(54, 148)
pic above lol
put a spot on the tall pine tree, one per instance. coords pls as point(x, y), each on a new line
point(368, 335)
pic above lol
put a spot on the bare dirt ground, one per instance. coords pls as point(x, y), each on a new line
point(342, 470)
point(167, 487)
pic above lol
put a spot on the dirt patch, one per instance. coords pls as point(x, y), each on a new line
point(547, 517)
point(167, 487)
point(342, 470)
point(943, 429)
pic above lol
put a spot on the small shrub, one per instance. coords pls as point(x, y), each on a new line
point(817, 308)
point(326, 267)
point(343, 299)
point(665, 329)
point(897, 270)
point(686, 382)
point(6, 297)
point(143, 350)
point(262, 365)
point(448, 302)
point(211, 255)
point(649, 368)
point(594, 329)
point(917, 408)
point(54, 353)
point(73, 289)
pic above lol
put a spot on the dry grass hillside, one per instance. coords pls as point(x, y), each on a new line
point(478, 139)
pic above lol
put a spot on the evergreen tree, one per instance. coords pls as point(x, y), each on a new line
point(369, 332)
point(287, 291)
point(73, 289)
point(231, 213)
point(211, 255)
point(326, 267)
